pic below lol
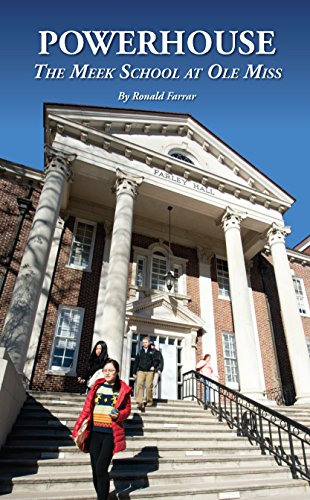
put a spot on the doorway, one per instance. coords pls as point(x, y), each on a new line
point(169, 386)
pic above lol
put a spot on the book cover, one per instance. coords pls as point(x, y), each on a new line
point(241, 69)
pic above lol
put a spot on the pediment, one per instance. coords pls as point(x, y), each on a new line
point(163, 309)
point(151, 136)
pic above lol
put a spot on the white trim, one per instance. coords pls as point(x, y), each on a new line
point(71, 370)
point(90, 223)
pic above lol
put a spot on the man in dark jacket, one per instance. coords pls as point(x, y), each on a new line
point(144, 369)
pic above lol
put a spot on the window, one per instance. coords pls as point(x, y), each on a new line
point(151, 266)
point(159, 271)
point(67, 339)
point(140, 271)
point(301, 296)
point(82, 245)
point(181, 156)
point(230, 360)
point(223, 278)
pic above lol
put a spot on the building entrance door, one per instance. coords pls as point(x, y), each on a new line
point(168, 384)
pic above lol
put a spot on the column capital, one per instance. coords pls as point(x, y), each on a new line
point(232, 219)
point(126, 183)
point(204, 254)
point(108, 228)
point(277, 233)
point(58, 161)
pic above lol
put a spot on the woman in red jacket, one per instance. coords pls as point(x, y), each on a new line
point(106, 407)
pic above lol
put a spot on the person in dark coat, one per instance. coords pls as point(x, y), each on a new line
point(144, 368)
point(106, 407)
point(96, 361)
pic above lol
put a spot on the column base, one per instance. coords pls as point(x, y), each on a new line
point(302, 400)
point(258, 397)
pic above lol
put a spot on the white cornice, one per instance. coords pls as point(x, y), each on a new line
point(20, 172)
point(116, 120)
point(155, 159)
point(301, 258)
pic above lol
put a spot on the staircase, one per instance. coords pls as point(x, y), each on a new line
point(176, 450)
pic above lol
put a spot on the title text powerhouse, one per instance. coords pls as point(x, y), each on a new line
point(199, 42)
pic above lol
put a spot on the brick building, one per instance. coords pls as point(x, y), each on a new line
point(87, 245)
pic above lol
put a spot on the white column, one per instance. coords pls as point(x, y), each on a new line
point(292, 324)
point(99, 321)
point(22, 310)
point(38, 322)
point(117, 279)
point(248, 365)
point(206, 305)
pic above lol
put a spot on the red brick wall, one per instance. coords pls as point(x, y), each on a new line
point(222, 319)
point(74, 288)
point(10, 190)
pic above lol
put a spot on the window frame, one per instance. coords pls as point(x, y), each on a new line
point(234, 384)
point(223, 296)
point(189, 159)
point(71, 370)
point(87, 268)
point(304, 296)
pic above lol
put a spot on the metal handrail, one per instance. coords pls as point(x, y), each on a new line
point(287, 440)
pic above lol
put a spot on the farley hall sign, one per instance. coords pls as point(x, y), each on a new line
point(184, 182)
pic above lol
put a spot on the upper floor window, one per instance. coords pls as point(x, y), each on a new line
point(300, 292)
point(159, 271)
point(82, 245)
point(223, 278)
point(67, 339)
point(152, 265)
point(230, 360)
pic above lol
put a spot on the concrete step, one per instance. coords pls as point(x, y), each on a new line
point(175, 450)
point(171, 449)
point(244, 489)
point(145, 461)
point(142, 477)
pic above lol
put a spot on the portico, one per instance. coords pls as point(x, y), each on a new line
point(128, 166)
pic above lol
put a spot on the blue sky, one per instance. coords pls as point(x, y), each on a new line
point(266, 121)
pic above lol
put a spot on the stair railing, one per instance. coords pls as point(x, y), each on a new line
point(285, 439)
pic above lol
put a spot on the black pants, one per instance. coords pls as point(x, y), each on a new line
point(101, 451)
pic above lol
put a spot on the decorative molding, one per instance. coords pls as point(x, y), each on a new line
point(232, 219)
point(205, 255)
point(58, 161)
point(277, 234)
point(126, 183)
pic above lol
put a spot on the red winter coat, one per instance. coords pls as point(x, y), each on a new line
point(123, 405)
